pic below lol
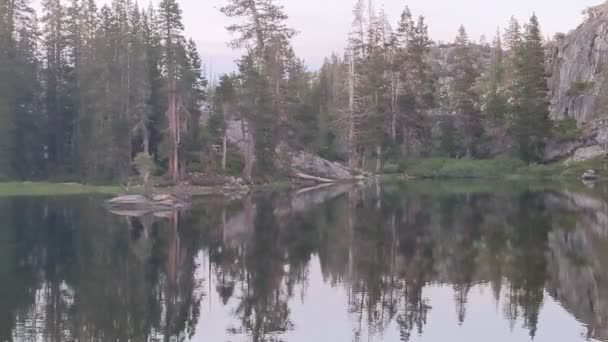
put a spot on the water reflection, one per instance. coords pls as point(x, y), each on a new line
point(417, 262)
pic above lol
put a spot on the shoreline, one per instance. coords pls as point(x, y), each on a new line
point(500, 169)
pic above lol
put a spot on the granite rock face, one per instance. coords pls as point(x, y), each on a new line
point(576, 65)
point(586, 153)
point(312, 164)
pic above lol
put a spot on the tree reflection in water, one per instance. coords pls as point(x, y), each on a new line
point(71, 271)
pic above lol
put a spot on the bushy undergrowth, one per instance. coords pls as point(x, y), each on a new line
point(53, 189)
point(566, 130)
point(491, 168)
point(458, 168)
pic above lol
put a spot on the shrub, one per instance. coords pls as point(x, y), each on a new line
point(390, 168)
point(566, 130)
point(492, 168)
point(144, 164)
point(579, 88)
point(460, 168)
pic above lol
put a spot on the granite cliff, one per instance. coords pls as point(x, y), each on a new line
point(576, 65)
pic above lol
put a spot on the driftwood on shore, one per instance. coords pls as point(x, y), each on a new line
point(138, 205)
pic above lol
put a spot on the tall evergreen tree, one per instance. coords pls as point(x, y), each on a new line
point(170, 26)
point(513, 42)
point(7, 92)
point(266, 36)
point(492, 86)
point(193, 89)
point(29, 120)
point(415, 86)
point(19, 68)
point(59, 99)
point(531, 107)
point(463, 93)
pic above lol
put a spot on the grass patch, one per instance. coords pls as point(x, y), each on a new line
point(560, 171)
point(500, 168)
point(53, 189)
point(281, 185)
point(459, 168)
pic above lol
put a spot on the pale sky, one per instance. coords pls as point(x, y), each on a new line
point(323, 24)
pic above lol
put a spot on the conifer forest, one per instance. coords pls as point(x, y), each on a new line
point(86, 89)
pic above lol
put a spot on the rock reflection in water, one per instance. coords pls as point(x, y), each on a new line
point(379, 263)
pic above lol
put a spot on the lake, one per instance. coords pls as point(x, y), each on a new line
point(419, 261)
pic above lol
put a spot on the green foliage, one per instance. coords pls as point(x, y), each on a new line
point(463, 93)
point(54, 189)
point(495, 168)
point(447, 139)
point(560, 171)
point(460, 168)
point(566, 130)
point(144, 164)
point(531, 124)
point(234, 162)
point(579, 88)
point(504, 168)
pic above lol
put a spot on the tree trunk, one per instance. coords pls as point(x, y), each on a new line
point(224, 151)
point(353, 158)
point(172, 118)
point(378, 158)
point(146, 142)
point(249, 148)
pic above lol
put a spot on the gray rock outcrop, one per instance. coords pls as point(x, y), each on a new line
point(576, 67)
point(311, 164)
point(584, 154)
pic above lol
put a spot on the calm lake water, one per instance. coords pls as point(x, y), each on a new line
point(423, 261)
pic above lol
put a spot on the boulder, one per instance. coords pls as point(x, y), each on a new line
point(557, 150)
point(163, 198)
point(137, 205)
point(590, 175)
point(313, 165)
point(585, 153)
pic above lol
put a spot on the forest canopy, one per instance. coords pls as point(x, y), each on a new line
point(84, 90)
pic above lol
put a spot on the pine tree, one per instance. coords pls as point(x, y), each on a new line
point(18, 92)
point(513, 44)
point(326, 97)
point(156, 101)
point(492, 86)
point(415, 86)
point(356, 38)
point(224, 108)
point(303, 119)
point(374, 88)
point(255, 106)
point(531, 108)
point(59, 101)
point(140, 84)
point(463, 92)
point(193, 87)
point(170, 27)
point(266, 37)
point(29, 119)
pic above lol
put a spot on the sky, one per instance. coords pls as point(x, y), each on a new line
point(323, 25)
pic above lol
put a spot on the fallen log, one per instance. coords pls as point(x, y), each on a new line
point(313, 178)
